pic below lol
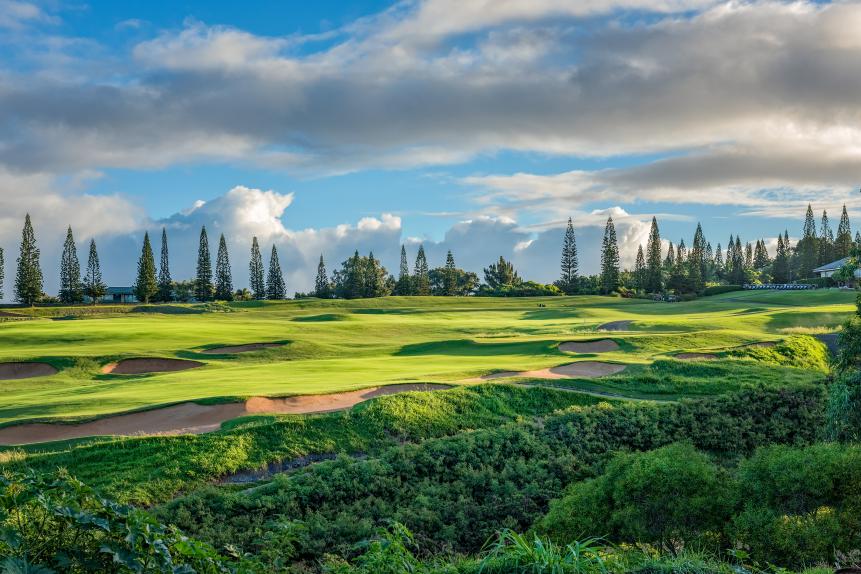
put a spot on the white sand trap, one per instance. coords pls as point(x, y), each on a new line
point(144, 366)
point(580, 369)
point(616, 326)
point(12, 371)
point(232, 350)
point(192, 418)
point(602, 346)
point(695, 356)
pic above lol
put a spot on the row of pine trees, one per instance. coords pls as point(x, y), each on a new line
point(682, 269)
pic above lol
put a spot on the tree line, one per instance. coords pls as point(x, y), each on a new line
point(681, 269)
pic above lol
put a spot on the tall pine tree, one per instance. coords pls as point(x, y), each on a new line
point(146, 285)
point(843, 241)
point(568, 280)
point(28, 278)
point(321, 284)
point(450, 279)
point(421, 281)
point(165, 282)
point(374, 277)
point(826, 241)
point(609, 259)
point(807, 248)
point(275, 287)
point(780, 268)
point(654, 277)
point(640, 273)
point(203, 281)
point(70, 272)
point(223, 275)
point(404, 284)
point(94, 287)
point(697, 268)
point(255, 271)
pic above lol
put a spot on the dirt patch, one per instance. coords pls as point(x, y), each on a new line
point(144, 366)
point(232, 350)
point(192, 418)
point(695, 356)
point(7, 314)
point(616, 326)
point(602, 346)
point(580, 369)
point(12, 371)
point(763, 344)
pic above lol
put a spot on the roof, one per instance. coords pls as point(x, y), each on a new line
point(121, 291)
point(833, 266)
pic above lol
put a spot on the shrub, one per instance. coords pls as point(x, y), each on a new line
point(671, 493)
point(718, 289)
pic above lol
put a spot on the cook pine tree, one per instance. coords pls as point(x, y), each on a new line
point(70, 272)
point(165, 282)
point(609, 259)
point(826, 241)
point(654, 276)
point(421, 281)
point(843, 241)
point(94, 287)
point(807, 247)
point(568, 280)
point(146, 285)
point(203, 290)
point(640, 270)
point(255, 271)
point(321, 283)
point(275, 286)
point(223, 275)
point(450, 278)
point(28, 276)
point(404, 284)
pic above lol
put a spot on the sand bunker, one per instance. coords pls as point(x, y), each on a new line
point(602, 346)
point(694, 356)
point(232, 350)
point(143, 366)
point(192, 418)
point(11, 371)
point(581, 369)
point(616, 326)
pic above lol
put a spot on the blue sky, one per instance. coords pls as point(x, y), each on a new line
point(330, 126)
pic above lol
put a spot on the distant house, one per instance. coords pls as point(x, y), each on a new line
point(830, 269)
point(119, 295)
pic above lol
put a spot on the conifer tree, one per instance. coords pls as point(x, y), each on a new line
point(737, 274)
point(843, 241)
point(568, 281)
point(450, 280)
point(321, 284)
point(709, 264)
point(501, 274)
point(374, 277)
point(858, 239)
point(826, 241)
point(421, 282)
point(654, 277)
point(223, 275)
point(28, 278)
point(203, 290)
point(670, 259)
point(94, 287)
point(748, 255)
point(70, 272)
point(146, 285)
point(404, 284)
point(807, 248)
point(730, 257)
point(255, 271)
point(609, 259)
point(678, 279)
point(719, 262)
point(275, 286)
point(697, 268)
point(640, 272)
point(780, 269)
point(760, 256)
point(2, 272)
point(165, 282)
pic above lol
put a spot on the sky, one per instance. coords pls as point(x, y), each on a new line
point(479, 126)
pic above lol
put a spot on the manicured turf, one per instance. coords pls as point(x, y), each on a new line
point(340, 345)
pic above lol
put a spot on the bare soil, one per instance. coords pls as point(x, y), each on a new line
point(147, 365)
point(602, 346)
point(232, 350)
point(13, 371)
point(192, 418)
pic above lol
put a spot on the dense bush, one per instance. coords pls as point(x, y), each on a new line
point(455, 492)
point(674, 492)
point(523, 289)
point(784, 505)
point(718, 289)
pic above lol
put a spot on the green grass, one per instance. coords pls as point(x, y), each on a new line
point(341, 345)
